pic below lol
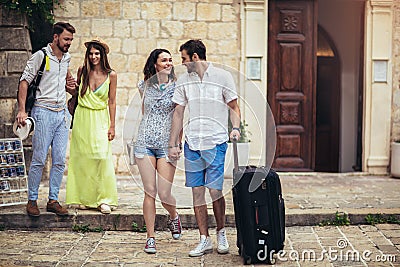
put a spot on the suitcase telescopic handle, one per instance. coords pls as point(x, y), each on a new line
point(235, 155)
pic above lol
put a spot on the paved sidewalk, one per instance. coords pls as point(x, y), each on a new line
point(309, 199)
point(305, 246)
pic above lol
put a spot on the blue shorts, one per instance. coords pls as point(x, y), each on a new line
point(158, 153)
point(205, 167)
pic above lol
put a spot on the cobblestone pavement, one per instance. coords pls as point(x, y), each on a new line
point(308, 193)
point(309, 198)
point(311, 192)
point(361, 245)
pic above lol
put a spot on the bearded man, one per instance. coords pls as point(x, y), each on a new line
point(52, 119)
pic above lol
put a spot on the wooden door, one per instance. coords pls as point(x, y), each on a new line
point(292, 39)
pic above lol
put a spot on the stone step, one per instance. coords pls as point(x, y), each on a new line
point(120, 221)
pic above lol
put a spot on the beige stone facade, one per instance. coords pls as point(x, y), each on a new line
point(232, 30)
point(133, 29)
point(396, 74)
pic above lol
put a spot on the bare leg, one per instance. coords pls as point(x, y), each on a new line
point(200, 209)
point(218, 207)
point(148, 174)
point(165, 180)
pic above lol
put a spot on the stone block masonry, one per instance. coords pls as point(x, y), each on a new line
point(133, 29)
point(15, 49)
point(396, 74)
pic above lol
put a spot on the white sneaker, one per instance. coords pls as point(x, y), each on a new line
point(223, 246)
point(205, 246)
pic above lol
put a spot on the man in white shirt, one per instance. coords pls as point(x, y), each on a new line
point(209, 93)
point(52, 119)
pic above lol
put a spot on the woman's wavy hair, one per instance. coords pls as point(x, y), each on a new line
point(149, 70)
point(87, 65)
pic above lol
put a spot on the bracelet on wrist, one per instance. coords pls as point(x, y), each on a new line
point(177, 145)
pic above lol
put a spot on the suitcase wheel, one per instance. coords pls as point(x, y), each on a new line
point(246, 260)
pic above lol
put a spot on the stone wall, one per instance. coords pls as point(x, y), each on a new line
point(396, 73)
point(134, 28)
point(15, 49)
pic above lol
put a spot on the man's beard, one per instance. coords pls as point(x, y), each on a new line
point(63, 49)
point(190, 67)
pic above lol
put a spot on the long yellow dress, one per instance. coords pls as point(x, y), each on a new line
point(91, 176)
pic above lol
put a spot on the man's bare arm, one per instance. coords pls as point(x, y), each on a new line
point(176, 132)
point(22, 91)
point(235, 119)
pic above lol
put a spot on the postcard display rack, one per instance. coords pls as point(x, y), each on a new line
point(13, 179)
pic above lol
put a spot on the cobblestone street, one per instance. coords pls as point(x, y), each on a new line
point(309, 200)
point(359, 245)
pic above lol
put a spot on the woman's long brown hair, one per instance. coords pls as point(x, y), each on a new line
point(149, 70)
point(87, 65)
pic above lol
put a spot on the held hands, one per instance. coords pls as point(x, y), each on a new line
point(71, 85)
point(174, 152)
point(111, 133)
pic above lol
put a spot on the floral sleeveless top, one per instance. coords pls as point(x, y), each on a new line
point(155, 126)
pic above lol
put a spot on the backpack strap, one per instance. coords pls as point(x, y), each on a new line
point(40, 72)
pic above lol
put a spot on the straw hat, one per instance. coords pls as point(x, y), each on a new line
point(100, 42)
point(23, 131)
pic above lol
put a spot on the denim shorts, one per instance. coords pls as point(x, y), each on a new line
point(205, 167)
point(158, 153)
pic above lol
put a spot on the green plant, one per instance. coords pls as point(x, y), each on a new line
point(340, 219)
point(42, 9)
point(244, 133)
point(2, 227)
point(373, 219)
point(136, 228)
point(84, 228)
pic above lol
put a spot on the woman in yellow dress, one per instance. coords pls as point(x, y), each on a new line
point(91, 179)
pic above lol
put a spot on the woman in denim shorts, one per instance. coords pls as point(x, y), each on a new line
point(151, 147)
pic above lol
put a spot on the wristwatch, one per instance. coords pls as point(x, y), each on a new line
point(237, 129)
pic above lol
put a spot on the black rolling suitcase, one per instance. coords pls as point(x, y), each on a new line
point(259, 212)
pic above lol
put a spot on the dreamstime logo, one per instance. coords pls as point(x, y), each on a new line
point(332, 254)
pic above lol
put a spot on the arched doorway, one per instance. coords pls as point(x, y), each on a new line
point(327, 105)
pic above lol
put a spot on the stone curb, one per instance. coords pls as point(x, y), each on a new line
point(125, 222)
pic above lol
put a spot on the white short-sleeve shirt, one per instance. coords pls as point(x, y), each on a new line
point(206, 101)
